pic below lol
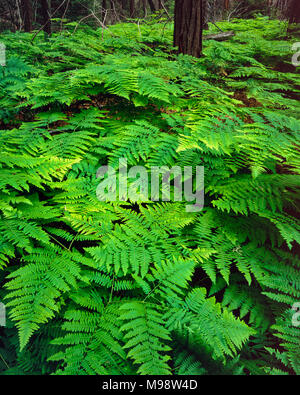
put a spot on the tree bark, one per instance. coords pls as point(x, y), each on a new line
point(188, 29)
point(144, 3)
point(288, 9)
point(160, 5)
point(294, 12)
point(132, 8)
point(205, 16)
point(152, 5)
point(27, 14)
point(46, 16)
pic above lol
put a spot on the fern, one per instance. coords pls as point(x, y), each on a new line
point(146, 336)
point(139, 287)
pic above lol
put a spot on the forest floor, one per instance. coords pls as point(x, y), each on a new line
point(101, 287)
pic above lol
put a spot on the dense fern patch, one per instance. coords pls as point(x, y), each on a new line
point(140, 287)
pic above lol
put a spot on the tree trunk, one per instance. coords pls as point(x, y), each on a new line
point(160, 5)
point(188, 27)
point(46, 16)
point(288, 9)
point(27, 14)
point(144, 3)
point(294, 11)
point(205, 15)
point(131, 8)
point(152, 5)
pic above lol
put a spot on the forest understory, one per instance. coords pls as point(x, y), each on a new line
point(139, 287)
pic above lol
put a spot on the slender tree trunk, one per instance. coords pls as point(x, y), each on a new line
point(205, 14)
point(144, 3)
point(160, 5)
point(12, 13)
point(188, 28)
point(132, 8)
point(46, 15)
point(152, 5)
point(124, 4)
point(104, 10)
point(18, 13)
point(27, 14)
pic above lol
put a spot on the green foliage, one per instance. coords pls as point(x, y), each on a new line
point(141, 287)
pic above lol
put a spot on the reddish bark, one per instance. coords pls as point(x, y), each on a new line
point(188, 30)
